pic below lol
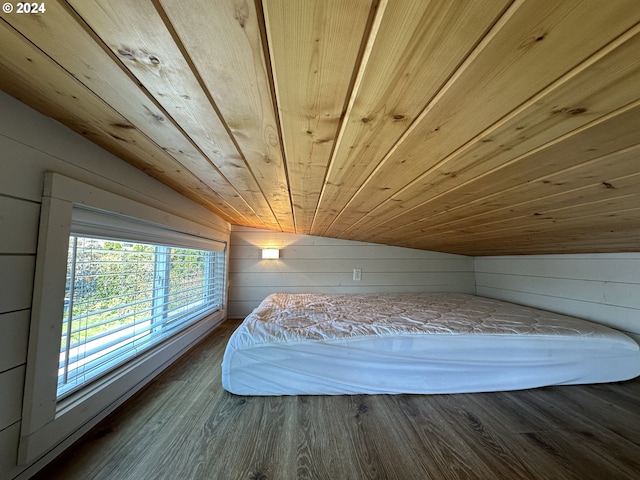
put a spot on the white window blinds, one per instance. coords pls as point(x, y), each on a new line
point(130, 285)
point(93, 222)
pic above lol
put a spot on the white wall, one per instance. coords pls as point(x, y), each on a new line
point(30, 145)
point(601, 287)
point(314, 264)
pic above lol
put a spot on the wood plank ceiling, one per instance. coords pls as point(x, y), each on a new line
point(479, 127)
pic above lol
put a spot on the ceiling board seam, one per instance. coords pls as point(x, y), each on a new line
point(73, 78)
point(576, 205)
point(484, 199)
point(194, 70)
point(538, 179)
point(262, 24)
point(475, 52)
point(519, 158)
point(273, 82)
point(555, 243)
point(538, 221)
point(488, 131)
point(369, 38)
point(498, 233)
point(78, 18)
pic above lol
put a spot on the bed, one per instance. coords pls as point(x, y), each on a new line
point(432, 343)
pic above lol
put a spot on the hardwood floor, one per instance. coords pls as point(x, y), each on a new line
point(184, 426)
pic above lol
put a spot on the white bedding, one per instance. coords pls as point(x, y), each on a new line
point(295, 344)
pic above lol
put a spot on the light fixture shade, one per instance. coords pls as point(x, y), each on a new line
point(270, 253)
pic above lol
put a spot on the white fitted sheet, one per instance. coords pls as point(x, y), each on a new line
point(307, 344)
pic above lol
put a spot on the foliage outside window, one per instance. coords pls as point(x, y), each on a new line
point(122, 298)
point(143, 286)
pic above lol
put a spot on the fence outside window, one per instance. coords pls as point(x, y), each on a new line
point(124, 297)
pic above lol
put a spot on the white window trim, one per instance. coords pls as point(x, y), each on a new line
point(45, 421)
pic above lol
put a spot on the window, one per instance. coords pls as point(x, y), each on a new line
point(124, 297)
point(142, 286)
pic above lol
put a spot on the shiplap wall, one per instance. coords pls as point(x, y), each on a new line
point(31, 144)
point(601, 287)
point(325, 265)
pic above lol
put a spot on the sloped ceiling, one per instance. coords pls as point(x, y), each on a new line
point(476, 127)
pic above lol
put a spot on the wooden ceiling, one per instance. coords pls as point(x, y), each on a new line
point(475, 127)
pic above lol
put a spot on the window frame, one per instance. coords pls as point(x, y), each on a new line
point(46, 422)
point(150, 320)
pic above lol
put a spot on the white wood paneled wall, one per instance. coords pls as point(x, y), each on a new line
point(601, 287)
point(312, 264)
point(30, 145)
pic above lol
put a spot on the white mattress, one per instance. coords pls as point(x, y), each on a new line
point(306, 344)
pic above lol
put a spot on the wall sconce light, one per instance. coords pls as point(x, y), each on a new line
point(270, 253)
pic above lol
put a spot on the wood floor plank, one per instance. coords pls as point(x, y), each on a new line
point(322, 440)
point(403, 455)
point(613, 419)
point(269, 454)
point(471, 428)
point(448, 457)
point(378, 443)
point(566, 455)
point(183, 425)
point(623, 395)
